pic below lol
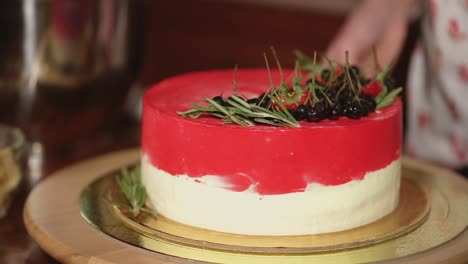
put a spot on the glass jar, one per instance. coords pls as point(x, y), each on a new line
point(12, 151)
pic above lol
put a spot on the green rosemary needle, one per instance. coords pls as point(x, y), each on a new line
point(134, 192)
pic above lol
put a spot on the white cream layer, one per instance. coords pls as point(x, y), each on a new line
point(204, 202)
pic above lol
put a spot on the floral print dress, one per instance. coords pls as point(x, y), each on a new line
point(437, 88)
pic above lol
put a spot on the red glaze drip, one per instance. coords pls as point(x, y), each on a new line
point(275, 160)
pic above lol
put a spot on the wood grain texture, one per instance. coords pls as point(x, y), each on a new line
point(53, 219)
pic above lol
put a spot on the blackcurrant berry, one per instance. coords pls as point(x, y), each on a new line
point(264, 101)
point(345, 99)
point(313, 115)
point(253, 101)
point(372, 104)
point(331, 93)
point(300, 113)
point(355, 111)
point(335, 112)
point(326, 113)
point(325, 74)
point(364, 81)
point(365, 109)
point(340, 78)
point(369, 101)
point(344, 110)
point(320, 106)
point(390, 83)
point(218, 99)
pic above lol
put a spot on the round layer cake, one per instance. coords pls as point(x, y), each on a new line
point(264, 180)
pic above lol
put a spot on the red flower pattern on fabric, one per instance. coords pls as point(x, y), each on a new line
point(444, 57)
point(457, 147)
point(463, 72)
point(453, 109)
point(424, 120)
point(455, 31)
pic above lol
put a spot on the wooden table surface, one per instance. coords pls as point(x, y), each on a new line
point(180, 36)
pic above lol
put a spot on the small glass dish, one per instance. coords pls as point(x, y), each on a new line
point(12, 145)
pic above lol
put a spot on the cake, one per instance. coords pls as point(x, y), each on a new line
point(321, 177)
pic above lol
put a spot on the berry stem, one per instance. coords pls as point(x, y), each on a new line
point(331, 68)
point(273, 51)
point(271, 90)
point(375, 58)
point(297, 78)
point(348, 78)
point(270, 78)
point(311, 86)
point(234, 80)
point(384, 74)
point(330, 103)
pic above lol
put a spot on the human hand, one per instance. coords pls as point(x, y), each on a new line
point(373, 24)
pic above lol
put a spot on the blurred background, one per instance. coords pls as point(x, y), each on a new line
point(72, 71)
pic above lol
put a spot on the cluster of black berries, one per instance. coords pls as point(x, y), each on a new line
point(342, 97)
point(332, 110)
point(334, 96)
point(335, 103)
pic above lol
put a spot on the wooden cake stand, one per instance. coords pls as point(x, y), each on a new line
point(66, 218)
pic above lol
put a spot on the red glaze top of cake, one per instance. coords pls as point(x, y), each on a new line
point(275, 160)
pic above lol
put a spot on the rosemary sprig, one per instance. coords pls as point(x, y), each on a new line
point(388, 98)
point(242, 113)
point(130, 185)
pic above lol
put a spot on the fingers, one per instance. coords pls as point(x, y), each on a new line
point(379, 24)
point(359, 33)
point(389, 46)
point(344, 43)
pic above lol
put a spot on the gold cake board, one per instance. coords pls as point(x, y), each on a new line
point(412, 211)
point(52, 217)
